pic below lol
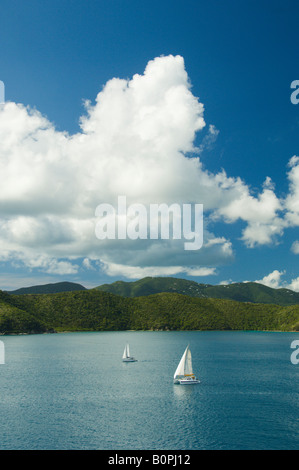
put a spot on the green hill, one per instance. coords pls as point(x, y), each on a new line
point(49, 288)
point(16, 320)
point(153, 285)
point(242, 292)
point(92, 310)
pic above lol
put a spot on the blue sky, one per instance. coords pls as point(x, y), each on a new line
point(240, 57)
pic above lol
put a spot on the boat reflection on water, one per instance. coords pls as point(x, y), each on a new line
point(184, 393)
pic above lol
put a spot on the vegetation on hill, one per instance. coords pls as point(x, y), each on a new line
point(49, 288)
point(16, 320)
point(242, 292)
point(92, 310)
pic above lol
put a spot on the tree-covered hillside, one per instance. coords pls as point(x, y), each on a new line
point(49, 288)
point(101, 311)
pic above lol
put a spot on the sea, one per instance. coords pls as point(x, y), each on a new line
point(72, 391)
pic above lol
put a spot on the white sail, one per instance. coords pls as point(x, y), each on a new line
point(181, 367)
point(185, 364)
point(125, 354)
point(188, 363)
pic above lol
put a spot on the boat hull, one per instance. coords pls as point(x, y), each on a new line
point(129, 359)
point(187, 381)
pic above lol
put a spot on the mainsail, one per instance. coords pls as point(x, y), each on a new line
point(126, 353)
point(185, 366)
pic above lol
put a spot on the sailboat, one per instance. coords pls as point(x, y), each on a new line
point(126, 355)
point(184, 373)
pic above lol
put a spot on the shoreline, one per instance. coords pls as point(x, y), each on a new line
point(152, 331)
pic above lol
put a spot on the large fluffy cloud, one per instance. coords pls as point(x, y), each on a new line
point(136, 140)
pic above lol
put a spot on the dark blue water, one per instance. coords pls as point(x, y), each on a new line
point(71, 391)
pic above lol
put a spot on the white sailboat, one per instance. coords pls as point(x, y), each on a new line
point(184, 373)
point(126, 355)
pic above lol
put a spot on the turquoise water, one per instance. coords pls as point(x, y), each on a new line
point(72, 391)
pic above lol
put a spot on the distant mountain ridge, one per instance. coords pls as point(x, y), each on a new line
point(241, 292)
point(49, 288)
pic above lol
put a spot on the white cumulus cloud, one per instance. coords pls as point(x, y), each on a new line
point(273, 279)
point(135, 140)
